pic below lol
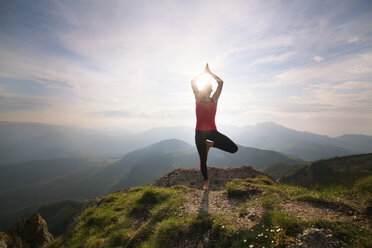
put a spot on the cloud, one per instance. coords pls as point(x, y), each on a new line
point(354, 85)
point(353, 39)
point(55, 84)
point(21, 103)
point(112, 114)
point(272, 59)
point(348, 68)
point(300, 107)
point(318, 59)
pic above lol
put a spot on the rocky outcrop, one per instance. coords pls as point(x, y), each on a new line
point(30, 233)
point(317, 238)
point(218, 177)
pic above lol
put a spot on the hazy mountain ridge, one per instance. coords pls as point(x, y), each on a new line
point(22, 142)
point(305, 145)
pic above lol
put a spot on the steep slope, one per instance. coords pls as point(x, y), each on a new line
point(245, 212)
point(334, 171)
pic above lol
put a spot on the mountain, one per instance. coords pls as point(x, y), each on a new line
point(335, 171)
point(244, 209)
point(358, 142)
point(22, 142)
point(304, 145)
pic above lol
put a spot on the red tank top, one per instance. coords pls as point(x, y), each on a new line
point(205, 114)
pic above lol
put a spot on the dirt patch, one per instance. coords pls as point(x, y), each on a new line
point(308, 211)
point(217, 202)
point(337, 206)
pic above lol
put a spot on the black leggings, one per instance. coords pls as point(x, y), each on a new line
point(220, 141)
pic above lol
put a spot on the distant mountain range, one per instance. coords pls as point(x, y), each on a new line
point(38, 182)
point(22, 142)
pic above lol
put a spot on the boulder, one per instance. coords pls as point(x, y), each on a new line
point(32, 232)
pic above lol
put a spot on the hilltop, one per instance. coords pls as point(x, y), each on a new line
point(246, 209)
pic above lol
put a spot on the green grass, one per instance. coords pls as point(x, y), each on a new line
point(149, 216)
point(124, 219)
point(173, 231)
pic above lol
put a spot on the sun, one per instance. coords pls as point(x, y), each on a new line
point(203, 80)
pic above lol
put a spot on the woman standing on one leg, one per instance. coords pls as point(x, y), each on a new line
point(206, 134)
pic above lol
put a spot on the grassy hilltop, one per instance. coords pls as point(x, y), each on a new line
point(249, 212)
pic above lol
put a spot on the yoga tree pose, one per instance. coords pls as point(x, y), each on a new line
point(206, 134)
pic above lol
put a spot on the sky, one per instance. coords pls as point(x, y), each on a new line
point(127, 65)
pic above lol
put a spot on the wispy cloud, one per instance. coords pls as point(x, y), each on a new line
point(353, 39)
point(318, 59)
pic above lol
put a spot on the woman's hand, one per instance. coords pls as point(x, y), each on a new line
point(206, 70)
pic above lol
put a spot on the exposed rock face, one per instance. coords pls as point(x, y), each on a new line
point(218, 177)
point(317, 238)
point(30, 233)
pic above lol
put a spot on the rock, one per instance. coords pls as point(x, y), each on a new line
point(368, 210)
point(252, 217)
point(192, 178)
point(3, 242)
point(317, 238)
point(32, 232)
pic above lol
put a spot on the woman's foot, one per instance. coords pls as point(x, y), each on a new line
point(209, 145)
point(206, 185)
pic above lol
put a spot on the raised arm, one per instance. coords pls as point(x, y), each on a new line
point(217, 93)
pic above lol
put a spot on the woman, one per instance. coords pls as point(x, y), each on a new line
point(206, 134)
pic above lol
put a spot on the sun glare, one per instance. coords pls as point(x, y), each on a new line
point(203, 80)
